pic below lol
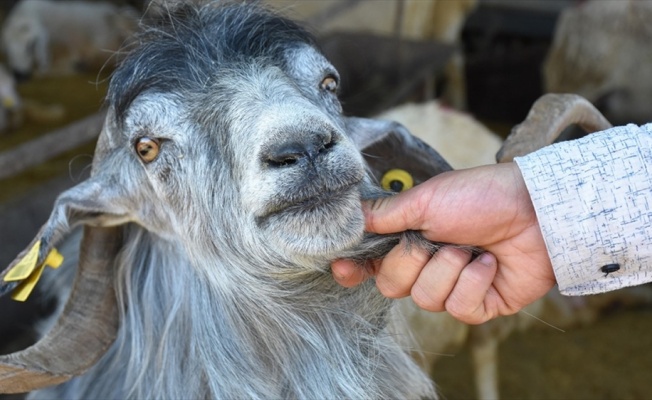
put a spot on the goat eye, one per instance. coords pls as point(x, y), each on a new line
point(397, 180)
point(147, 148)
point(329, 83)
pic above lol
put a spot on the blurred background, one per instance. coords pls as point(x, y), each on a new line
point(458, 73)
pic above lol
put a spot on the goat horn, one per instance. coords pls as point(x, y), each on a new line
point(548, 117)
point(84, 331)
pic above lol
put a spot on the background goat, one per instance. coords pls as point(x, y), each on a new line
point(597, 52)
point(62, 37)
point(224, 181)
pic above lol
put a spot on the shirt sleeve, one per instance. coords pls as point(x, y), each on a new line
point(593, 200)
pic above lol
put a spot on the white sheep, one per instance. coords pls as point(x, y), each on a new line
point(462, 140)
point(63, 37)
point(600, 51)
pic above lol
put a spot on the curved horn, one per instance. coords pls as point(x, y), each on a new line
point(548, 117)
point(84, 331)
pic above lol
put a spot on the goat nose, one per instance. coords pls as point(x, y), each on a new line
point(286, 154)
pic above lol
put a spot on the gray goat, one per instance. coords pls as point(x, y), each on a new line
point(224, 182)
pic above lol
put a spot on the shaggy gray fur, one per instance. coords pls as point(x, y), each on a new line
point(224, 278)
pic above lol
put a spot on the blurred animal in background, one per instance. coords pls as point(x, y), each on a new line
point(49, 37)
point(15, 110)
point(601, 51)
point(10, 103)
point(439, 335)
point(432, 21)
point(462, 140)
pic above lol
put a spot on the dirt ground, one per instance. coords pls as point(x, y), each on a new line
point(607, 360)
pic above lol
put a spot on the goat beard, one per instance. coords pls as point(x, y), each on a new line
point(320, 227)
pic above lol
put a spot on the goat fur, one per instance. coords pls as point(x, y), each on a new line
point(223, 279)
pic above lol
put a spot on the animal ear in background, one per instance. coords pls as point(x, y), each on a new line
point(397, 159)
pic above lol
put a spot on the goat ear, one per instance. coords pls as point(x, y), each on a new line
point(90, 319)
point(388, 146)
point(94, 202)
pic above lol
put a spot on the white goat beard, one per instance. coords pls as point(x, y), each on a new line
point(320, 231)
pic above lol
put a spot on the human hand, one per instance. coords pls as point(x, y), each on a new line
point(487, 207)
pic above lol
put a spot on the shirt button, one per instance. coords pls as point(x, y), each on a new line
point(609, 268)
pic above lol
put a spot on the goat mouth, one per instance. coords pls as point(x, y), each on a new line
point(331, 199)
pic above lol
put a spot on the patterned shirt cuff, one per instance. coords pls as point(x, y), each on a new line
point(593, 200)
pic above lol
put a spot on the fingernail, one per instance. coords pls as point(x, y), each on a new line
point(487, 259)
point(343, 276)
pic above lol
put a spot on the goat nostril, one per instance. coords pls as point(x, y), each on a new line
point(282, 162)
point(288, 154)
point(325, 147)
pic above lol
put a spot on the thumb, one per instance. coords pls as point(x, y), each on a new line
point(396, 213)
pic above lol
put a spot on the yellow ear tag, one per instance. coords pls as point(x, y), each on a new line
point(24, 289)
point(397, 180)
point(54, 259)
point(25, 266)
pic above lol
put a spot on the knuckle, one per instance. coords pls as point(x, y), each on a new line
point(461, 311)
point(424, 300)
point(389, 288)
point(453, 256)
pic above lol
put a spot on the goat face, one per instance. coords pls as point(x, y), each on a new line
point(297, 168)
point(259, 157)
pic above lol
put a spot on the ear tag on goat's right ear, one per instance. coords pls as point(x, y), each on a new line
point(26, 266)
point(27, 271)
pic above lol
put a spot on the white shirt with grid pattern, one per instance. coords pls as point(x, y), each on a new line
point(593, 200)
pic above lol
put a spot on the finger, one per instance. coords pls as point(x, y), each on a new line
point(467, 299)
point(399, 270)
point(438, 278)
point(395, 213)
point(348, 274)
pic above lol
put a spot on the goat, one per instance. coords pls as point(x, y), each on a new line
point(597, 52)
point(64, 37)
point(224, 182)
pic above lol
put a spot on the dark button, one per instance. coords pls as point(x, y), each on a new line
point(609, 268)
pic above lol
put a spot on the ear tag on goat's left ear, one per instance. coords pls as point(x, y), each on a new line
point(27, 271)
point(397, 180)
